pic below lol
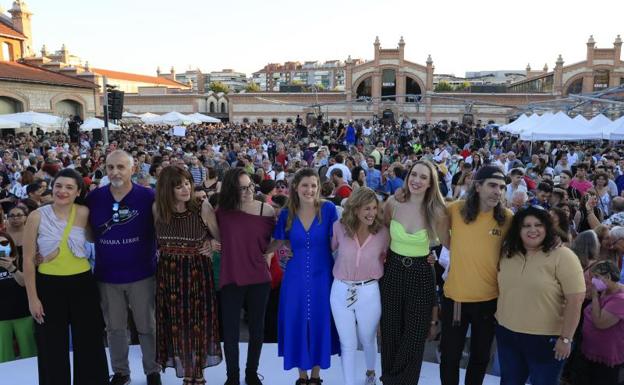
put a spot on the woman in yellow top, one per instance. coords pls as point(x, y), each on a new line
point(541, 289)
point(62, 292)
point(408, 305)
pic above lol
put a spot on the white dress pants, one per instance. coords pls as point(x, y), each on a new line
point(361, 319)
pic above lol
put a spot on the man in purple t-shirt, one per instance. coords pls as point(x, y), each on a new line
point(125, 262)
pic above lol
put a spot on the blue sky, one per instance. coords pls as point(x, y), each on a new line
point(139, 35)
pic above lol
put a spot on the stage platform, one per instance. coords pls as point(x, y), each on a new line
point(24, 372)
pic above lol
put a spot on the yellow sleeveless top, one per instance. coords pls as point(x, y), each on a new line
point(65, 263)
point(406, 244)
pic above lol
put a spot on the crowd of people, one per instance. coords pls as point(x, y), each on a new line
point(326, 236)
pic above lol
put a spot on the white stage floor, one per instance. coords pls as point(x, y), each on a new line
point(24, 372)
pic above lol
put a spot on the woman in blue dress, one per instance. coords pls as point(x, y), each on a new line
point(307, 336)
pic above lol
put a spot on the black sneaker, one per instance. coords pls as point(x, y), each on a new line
point(153, 379)
point(251, 378)
point(232, 380)
point(120, 379)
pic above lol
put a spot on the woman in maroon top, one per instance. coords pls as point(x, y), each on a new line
point(244, 227)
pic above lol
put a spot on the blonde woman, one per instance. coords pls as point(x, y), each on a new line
point(361, 242)
point(408, 309)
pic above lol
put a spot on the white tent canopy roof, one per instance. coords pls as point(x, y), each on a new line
point(31, 118)
point(512, 126)
point(173, 118)
point(6, 123)
point(560, 127)
point(615, 130)
point(599, 121)
point(93, 123)
point(204, 118)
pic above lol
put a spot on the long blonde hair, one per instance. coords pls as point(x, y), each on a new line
point(358, 199)
point(294, 204)
point(433, 203)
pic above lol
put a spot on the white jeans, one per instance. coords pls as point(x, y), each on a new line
point(358, 320)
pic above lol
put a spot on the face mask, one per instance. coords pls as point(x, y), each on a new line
point(6, 250)
point(599, 284)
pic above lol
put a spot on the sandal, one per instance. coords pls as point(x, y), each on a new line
point(199, 381)
point(315, 381)
point(188, 381)
point(302, 381)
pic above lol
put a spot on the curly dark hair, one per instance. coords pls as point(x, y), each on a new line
point(513, 244)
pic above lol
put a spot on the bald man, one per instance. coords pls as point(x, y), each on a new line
point(125, 263)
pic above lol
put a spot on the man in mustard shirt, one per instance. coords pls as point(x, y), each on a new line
point(478, 225)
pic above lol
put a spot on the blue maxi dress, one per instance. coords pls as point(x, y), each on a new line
point(306, 334)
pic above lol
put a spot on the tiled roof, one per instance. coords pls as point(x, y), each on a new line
point(138, 78)
point(25, 73)
point(5, 30)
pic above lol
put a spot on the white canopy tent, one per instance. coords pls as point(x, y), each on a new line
point(173, 118)
point(94, 123)
point(126, 114)
point(560, 127)
point(147, 115)
point(36, 119)
point(6, 123)
point(599, 122)
point(531, 121)
point(511, 127)
point(615, 130)
point(581, 119)
point(204, 118)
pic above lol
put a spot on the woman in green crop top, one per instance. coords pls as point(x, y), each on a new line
point(408, 304)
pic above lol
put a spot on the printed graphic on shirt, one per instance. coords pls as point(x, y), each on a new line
point(121, 215)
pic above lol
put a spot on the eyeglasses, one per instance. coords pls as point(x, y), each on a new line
point(249, 188)
point(15, 216)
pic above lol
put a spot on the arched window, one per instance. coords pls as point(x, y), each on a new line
point(365, 88)
point(260, 120)
point(388, 84)
point(68, 107)
point(10, 105)
point(412, 88)
point(576, 87)
point(223, 108)
point(212, 107)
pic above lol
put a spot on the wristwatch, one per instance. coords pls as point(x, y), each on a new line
point(565, 340)
point(434, 322)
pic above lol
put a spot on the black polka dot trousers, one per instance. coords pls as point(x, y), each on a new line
point(407, 299)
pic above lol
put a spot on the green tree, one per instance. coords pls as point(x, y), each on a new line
point(443, 86)
point(219, 87)
point(252, 87)
point(465, 86)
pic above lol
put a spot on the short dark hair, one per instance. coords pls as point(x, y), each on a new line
point(545, 187)
point(337, 172)
point(516, 171)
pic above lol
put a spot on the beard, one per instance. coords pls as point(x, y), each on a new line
point(117, 183)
